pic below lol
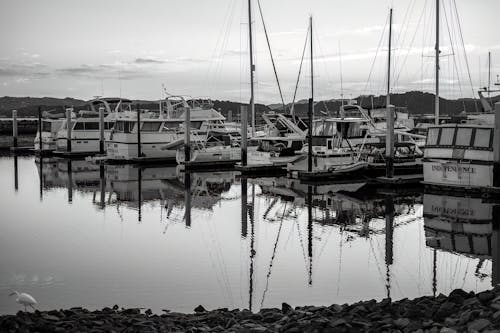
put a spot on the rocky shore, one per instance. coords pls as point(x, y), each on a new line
point(458, 312)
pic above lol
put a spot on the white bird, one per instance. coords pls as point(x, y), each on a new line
point(25, 300)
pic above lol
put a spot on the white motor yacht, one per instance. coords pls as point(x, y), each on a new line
point(85, 133)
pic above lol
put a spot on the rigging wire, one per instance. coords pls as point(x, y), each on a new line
point(271, 55)
point(300, 71)
point(465, 54)
point(374, 59)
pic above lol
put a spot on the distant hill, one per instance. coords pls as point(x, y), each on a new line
point(417, 103)
point(28, 106)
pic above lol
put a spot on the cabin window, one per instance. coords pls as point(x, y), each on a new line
point(124, 126)
point(447, 134)
point(108, 125)
point(46, 126)
point(151, 126)
point(432, 136)
point(464, 135)
point(482, 139)
point(196, 124)
point(91, 126)
point(171, 125)
point(79, 126)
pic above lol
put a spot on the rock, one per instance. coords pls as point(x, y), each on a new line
point(199, 309)
point(401, 322)
point(132, 311)
point(485, 296)
point(478, 325)
point(447, 330)
point(286, 308)
point(445, 310)
point(460, 293)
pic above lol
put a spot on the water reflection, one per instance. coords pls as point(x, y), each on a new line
point(252, 242)
point(466, 226)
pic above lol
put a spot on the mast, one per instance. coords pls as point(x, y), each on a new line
point(341, 79)
point(252, 66)
point(388, 101)
point(436, 102)
point(312, 63)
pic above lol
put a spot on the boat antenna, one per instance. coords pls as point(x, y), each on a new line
point(489, 75)
point(271, 55)
point(341, 80)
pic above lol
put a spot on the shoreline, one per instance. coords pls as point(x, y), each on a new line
point(460, 311)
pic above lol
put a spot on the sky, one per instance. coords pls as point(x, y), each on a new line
point(142, 49)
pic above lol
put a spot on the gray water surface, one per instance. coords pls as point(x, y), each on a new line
point(96, 236)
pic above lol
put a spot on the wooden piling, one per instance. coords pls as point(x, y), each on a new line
point(40, 129)
point(187, 135)
point(389, 142)
point(139, 150)
point(14, 128)
point(244, 132)
point(101, 130)
point(68, 129)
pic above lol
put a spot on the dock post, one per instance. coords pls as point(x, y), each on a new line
point(14, 128)
point(309, 135)
point(101, 130)
point(40, 129)
point(389, 142)
point(244, 133)
point(139, 150)
point(68, 129)
point(496, 147)
point(187, 133)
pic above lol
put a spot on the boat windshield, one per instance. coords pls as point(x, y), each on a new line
point(464, 137)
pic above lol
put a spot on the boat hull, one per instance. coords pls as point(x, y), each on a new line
point(453, 173)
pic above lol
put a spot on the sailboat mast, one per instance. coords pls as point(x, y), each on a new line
point(252, 66)
point(312, 63)
point(436, 102)
point(388, 101)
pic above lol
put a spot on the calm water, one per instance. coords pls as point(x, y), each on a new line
point(75, 234)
